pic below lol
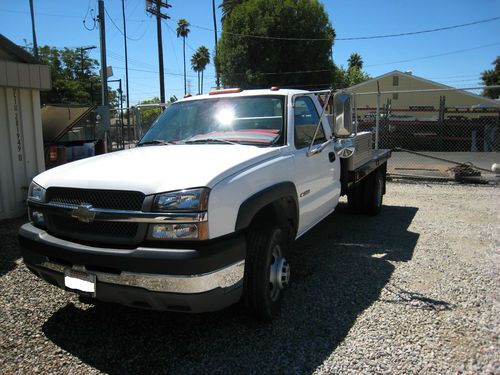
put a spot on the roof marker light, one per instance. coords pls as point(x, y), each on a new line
point(225, 91)
point(274, 88)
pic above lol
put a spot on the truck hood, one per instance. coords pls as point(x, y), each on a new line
point(156, 169)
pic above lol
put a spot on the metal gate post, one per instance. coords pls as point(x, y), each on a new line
point(377, 121)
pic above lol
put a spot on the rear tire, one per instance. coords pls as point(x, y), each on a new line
point(374, 194)
point(367, 196)
point(266, 272)
point(355, 198)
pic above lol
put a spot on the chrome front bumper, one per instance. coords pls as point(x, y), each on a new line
point(205, 277)
point(226, 278)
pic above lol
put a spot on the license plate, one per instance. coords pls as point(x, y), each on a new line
point(80, 281)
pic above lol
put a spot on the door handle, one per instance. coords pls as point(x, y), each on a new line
point(331, 157)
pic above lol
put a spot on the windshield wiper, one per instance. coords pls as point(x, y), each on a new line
point(210, 140)
point(156, 142)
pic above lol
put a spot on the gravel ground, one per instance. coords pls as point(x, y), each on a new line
point(414, 290)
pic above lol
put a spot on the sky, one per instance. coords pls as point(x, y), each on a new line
point(453, 57)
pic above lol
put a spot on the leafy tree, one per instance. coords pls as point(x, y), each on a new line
point(149, 114)
point(261, 61)
point(183, 31)
point(228, 6)
point(355, 61)
point(75, 77)
point(492, 77)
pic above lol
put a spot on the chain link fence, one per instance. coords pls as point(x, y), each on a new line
point(433, 134)
point(127, 126)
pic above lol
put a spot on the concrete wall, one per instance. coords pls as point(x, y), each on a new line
point(21, 147)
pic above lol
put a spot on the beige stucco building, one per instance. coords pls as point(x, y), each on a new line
point(419, 105)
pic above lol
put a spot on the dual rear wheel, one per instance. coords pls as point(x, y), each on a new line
point(367, 196)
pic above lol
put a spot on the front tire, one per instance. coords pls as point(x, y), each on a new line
point(267, 272)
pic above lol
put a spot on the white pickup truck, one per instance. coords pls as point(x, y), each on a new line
point(201, 213)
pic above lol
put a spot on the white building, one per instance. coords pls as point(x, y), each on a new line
point(21, 141)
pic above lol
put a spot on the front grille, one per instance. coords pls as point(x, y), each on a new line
point(105, 232)
point(71, 227)
point(111, 199)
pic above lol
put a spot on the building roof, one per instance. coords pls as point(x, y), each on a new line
point(16, 53)
point(412, 76)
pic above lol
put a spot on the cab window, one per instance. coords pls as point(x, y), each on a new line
point(306, 119)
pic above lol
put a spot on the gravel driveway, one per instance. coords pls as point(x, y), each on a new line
point(414, 290)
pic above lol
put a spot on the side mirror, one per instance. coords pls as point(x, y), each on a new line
point(342, 124)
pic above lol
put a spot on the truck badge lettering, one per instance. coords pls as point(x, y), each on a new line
point(83, 213)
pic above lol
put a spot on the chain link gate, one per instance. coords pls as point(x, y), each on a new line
point(436, 134)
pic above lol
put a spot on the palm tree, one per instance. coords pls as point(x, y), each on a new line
point(204, 56)
point(196, 66)
point(355, 61)
point(183, 31)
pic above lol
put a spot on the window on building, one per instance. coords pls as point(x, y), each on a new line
point(395, 80)
point(395, 96)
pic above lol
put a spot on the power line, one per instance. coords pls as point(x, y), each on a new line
point(358, 37)
point(175, 34)
point(54, 14)
point(437, 55)
point(120, 30)
point(422, 31)
point(156, 72)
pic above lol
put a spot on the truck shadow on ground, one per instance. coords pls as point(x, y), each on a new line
point(339, 270)
point(9, 247)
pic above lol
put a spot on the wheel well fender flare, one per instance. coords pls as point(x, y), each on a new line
point(250, 207)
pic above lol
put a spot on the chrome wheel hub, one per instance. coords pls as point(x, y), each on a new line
point(279, 275)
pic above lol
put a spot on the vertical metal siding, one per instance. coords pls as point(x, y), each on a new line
point(21, 147)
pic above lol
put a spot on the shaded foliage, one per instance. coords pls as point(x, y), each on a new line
point(250, 62)
point(75, 77)
point(344, 78)
point(491, 77)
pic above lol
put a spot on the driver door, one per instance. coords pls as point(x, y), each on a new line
point(317, 176)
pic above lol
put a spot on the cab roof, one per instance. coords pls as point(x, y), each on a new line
point(254, 92)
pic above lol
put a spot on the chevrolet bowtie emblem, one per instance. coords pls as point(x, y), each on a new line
point(83, 213)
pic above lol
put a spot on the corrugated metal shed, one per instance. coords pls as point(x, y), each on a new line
point(21, 141)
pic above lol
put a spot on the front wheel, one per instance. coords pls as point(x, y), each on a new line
point(267, 272)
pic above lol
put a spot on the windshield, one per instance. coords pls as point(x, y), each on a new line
point(256, 120)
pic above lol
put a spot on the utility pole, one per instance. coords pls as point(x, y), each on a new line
point(120, 91)
point(35, 45)
point(156, 10)
point(104, 79)
point(104, 66)
point(215, 54)
point(82, 57)
point(126, 74)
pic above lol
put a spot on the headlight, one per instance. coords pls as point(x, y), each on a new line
point(187, 231)
point(182, 200)
point(36, 192)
